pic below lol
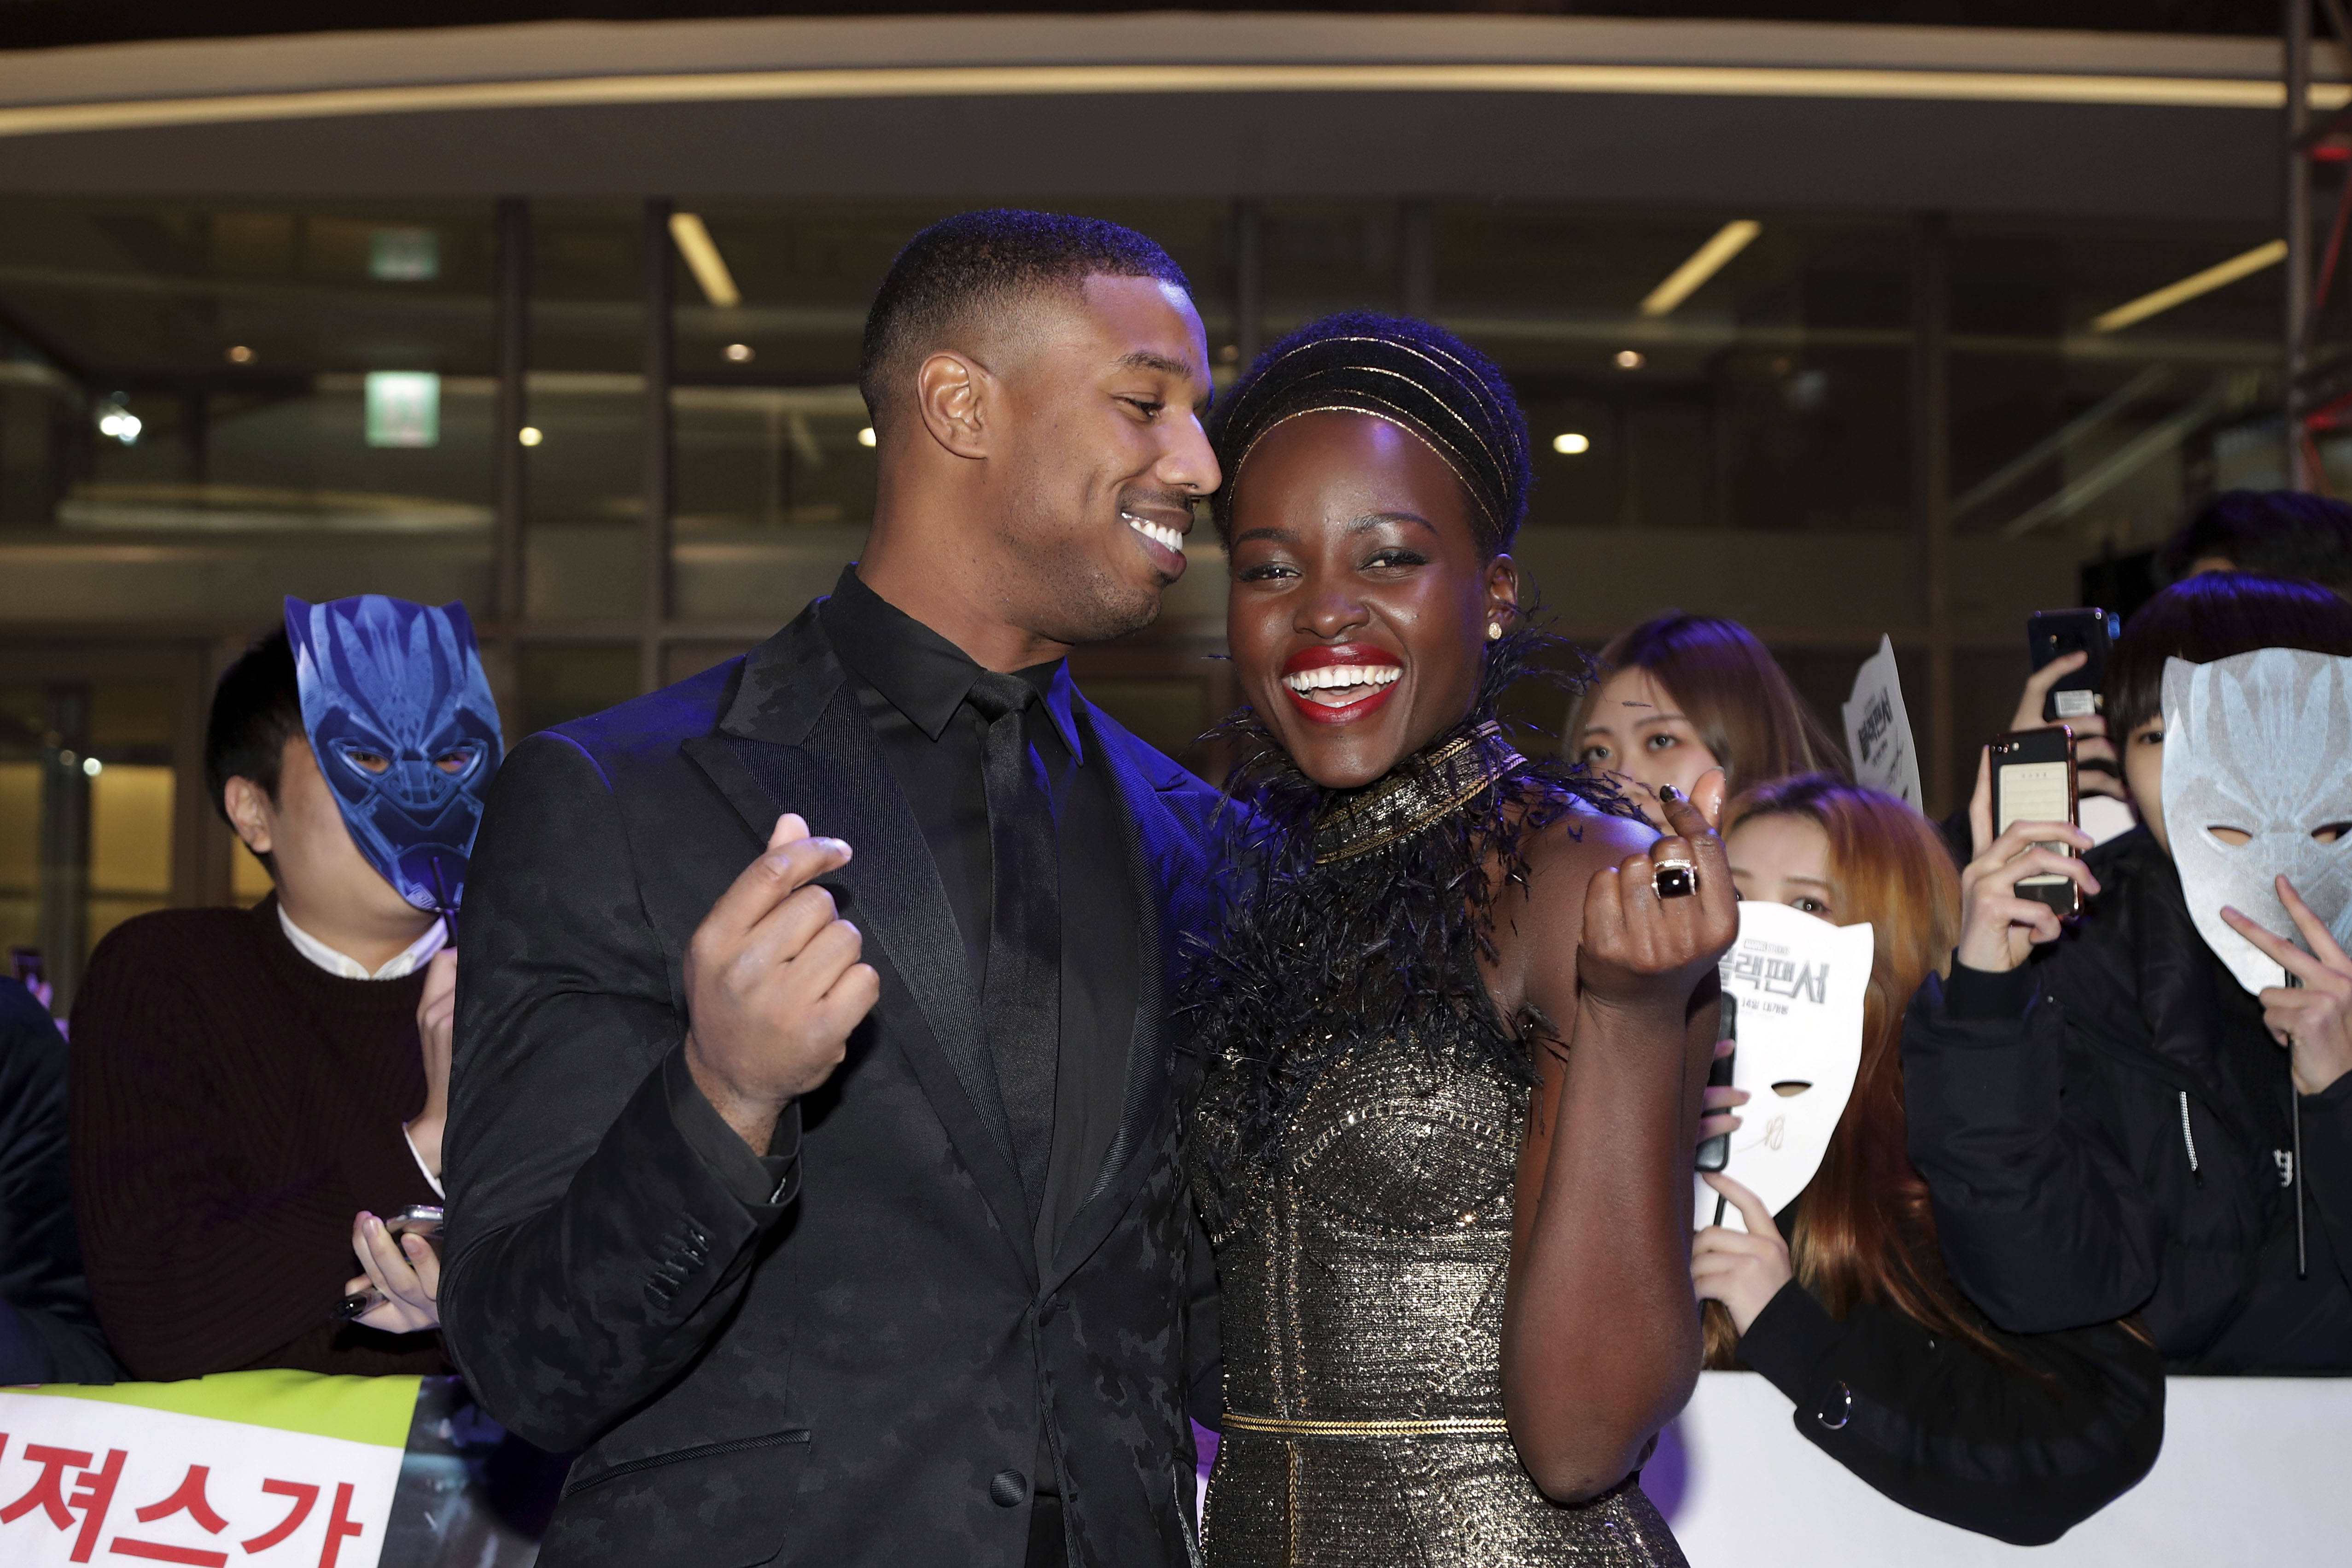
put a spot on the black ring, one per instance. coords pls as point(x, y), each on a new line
point(1675, 879)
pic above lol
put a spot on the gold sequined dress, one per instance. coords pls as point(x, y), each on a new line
point(1361, 1262)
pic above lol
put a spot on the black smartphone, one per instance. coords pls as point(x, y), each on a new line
point(24, 964)
point(2034, 781)
point(1714, 1152)
point(2055, 633)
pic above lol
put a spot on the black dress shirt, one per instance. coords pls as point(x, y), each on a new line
point(912, 682)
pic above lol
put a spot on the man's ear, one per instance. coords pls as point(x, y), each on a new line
point(249, 813)
point(953, 395)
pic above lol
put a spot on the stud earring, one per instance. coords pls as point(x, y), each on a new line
point(1494, 631)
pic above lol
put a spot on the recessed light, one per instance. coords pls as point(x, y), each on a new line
point(738, 353)
point(1570, 442)
point(1629, 359)
point(240, 355)
point(866, 437)
point(529, 435)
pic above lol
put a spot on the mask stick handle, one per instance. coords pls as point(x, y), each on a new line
point(2295, 1123)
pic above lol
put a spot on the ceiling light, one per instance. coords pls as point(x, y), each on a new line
point(119, 421)
point(1570, 444)
point(1705, 263)
point(866, 437)
point(2189, 288)
point(1629, 359)
point(91, 767)
point(240, 355)
point(529, 435)
point(702, 258)
point(738, 353)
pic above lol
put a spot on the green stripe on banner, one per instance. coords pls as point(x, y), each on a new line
point(357, 1409)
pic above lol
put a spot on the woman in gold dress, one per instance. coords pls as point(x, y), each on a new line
point(1457, 1023)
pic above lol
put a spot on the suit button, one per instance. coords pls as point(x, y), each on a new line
point(1837, 1408)
point(1008, 1488)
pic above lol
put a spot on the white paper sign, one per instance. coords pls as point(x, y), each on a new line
point(2259, 747)
point(1799, 982)
point(88, 1477)
point(1878, 729)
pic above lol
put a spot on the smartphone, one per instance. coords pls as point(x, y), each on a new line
point(1714, 1152)
point(2034, 781)
point(418, 1220)
point(2055, 633)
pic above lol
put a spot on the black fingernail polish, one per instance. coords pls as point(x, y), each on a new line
point(1669, 792)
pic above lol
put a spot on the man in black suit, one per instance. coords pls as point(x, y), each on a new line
point(830, 1201)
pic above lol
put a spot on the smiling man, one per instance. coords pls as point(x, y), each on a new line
point(812, 1135)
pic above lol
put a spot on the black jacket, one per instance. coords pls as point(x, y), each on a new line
point(2022, 1452)
point(48, 1330)
point(858, 1374)
point(2099, 1130)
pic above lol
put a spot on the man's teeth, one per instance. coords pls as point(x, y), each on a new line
point(1167, 538)
point(1330, 675)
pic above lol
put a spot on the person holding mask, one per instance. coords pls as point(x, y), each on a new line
point(2099, 1108)
point(1682, 693)
point(254, 1091)
point(1457, 1020)
point(812, 1141)
point(1842, 1300)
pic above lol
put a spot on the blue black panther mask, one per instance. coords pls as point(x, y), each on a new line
point(400, 717)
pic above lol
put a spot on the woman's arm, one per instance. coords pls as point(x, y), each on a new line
point(1601, 1339)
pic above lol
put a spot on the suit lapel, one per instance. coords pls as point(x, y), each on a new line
point(1160, 869)
point(796, 739)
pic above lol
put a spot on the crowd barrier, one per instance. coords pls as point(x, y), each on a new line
point(285, 1470)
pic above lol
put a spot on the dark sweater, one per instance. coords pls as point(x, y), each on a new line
point(234, 1106)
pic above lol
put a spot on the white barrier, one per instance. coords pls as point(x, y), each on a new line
point(2254, 1471)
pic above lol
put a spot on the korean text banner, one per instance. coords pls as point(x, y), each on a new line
point(276, 1469)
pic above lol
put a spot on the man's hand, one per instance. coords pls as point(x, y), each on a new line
point(1998, 927)
point(2312, 1020)
point(2097, 771)
point(1743, 1272)
point(404, 1273)
point(773, 985)
point(437, 1013)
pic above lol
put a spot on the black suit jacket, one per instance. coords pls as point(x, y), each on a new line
point(842, 1376)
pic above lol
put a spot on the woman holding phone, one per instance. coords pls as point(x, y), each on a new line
point(1842, 1300)
point(1451, 1249)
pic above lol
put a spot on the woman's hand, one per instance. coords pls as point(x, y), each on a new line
point(436, 1014)
point(1720, 1100)
point(405, 1272)
point(2312, 1020)
point(1640, 952)
point(2094, 754)
point(1998, 926)
point(1743, 1272)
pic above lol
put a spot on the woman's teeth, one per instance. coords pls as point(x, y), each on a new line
point(1168, 539)
point(1339, 681)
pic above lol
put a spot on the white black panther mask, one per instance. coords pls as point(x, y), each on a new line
point(2260, 744)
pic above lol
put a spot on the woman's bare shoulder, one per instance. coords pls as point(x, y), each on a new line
point(1586, 838)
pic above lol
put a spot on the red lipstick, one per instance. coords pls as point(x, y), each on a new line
point(1362, 655)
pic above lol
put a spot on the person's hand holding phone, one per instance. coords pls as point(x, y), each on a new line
point(2313, 1020)
point(1743, 1272)
point(1999, 925)
point(1718, 1118)
point(403, 1272)
point(2098, 770)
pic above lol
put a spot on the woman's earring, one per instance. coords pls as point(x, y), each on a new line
point(1494, 631)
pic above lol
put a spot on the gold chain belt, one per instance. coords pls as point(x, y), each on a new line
point(1430, 1427)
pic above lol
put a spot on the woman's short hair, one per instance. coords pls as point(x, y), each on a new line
point(2216, 615)
point(1418, 377)
point(1733, 692)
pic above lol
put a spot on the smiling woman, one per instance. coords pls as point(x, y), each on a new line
point(1423, 920)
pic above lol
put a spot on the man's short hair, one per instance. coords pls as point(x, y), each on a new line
point(256, 709)
point(976, 267)
point(2216, 615)
point(2278, 533)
